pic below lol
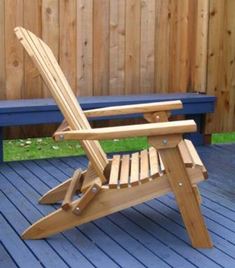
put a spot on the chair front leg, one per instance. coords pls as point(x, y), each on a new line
point(183, 189)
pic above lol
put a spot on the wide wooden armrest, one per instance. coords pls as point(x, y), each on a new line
point(135, 109)
point(152, 129)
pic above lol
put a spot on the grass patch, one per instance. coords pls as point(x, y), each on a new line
point(46, 147)
point(223, 138)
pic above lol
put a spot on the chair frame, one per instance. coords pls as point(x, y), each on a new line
point(96, 198)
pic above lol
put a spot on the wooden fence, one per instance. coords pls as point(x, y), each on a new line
point(108, 47)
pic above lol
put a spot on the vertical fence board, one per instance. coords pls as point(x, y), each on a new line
point(132, 53)
point(2, 51)
point(199, 69)
point(117, 47)
point(101, 47)
point(68, 40)
point(32, 21)
point(162, 45)
point(147, 46)
point(221, 65)
point(13, 50)
point(84, 47)
point(50, 30)
point(179, 45)
point(111, 47)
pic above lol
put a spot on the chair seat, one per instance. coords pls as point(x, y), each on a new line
point(129, 170)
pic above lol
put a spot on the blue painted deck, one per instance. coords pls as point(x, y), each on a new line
point(148, 235)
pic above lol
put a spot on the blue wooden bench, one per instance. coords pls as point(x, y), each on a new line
point(45, 111)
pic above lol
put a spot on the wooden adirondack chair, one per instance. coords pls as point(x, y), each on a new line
point(110, 185)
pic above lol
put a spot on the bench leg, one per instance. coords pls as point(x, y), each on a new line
point(186, 198)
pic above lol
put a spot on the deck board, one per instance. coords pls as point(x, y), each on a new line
point(151, 234)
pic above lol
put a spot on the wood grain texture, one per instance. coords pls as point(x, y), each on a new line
point(101, 47)
point(2, 51)
point(147, 38)
point(84, 47)
point(68, 42)
point(13, 50)
point(221, 65)
point(117, 47)
point(50, 30)
point(132, 51)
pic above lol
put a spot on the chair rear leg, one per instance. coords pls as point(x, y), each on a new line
point(185, 197)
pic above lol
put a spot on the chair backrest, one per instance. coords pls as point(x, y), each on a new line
point(61, 91)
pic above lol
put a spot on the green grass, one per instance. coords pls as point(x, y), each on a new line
point(223, 138)
point(47, 148)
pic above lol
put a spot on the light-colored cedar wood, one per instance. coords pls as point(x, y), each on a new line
point(114, 173)
point(195, 157)
point(58, 193)
point(135, 169)
point(193, 153)
point(179, 46)
point(84, 47)
point(185, 197)
point(166, 141)
point(117, 47)
point(221, 54)
point(162, 45)
point(132, 51)
point(72, 188)
point(90, 178)
point(32, 78)
point(125, 171)
point(144, 166)
point(53, 76)
point(153, 161)
point(185, 154)
point(63, 127)
point(101, 47)
point(152, 129)
point(13, 52)
point(106, 202)
point(134, 108)
point(68, 43)
point(50, 30)
point(162, 167)
point(197, 194)
point(2, 51)
point(81, 204)
point(199, 68)
point(157, 117)
point(147, 38)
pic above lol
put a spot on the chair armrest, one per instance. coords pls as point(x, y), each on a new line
point(135, 108)
point(152, 129)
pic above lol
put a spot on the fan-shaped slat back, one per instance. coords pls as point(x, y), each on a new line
point(60, 89)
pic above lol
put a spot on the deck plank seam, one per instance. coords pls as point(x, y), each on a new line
point(176, 235)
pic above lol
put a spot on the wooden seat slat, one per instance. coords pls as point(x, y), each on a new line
point(144, 166)
point(153, 160)
point(114, 173)
point(124, 172)
point(134, 177)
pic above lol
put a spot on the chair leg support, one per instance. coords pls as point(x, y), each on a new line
point(58, 193)
point(185, 196)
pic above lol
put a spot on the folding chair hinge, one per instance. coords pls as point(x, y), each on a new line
point(87, 197)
